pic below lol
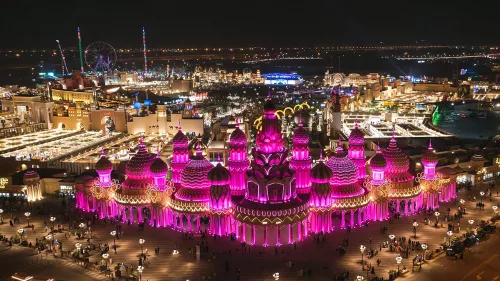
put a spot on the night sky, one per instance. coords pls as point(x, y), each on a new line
point(184, 23)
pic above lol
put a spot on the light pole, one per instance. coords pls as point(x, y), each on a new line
point(392, 236)
point(471, 222)
point(27, 214)
point(52, 219)
point(113, 233)
point(105, 256)
point(398, 261)
point(141, 241)
point(140, 268)
point(424, 247)
point(20, 231)
point(360, 278)
point(495, 208)
point(462, 205)
point(82, 226)
point(482, 194)
point(276, 276)
point(78, 246)
point(49, 237)
point(437, 216)
point(449, 233)
point(415, 224)
point(362, 248)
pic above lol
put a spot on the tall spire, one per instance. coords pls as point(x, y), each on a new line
point(199, 153)
point(300, 120)
point(269, 95)
point(339, 145)
point(102, 152)
point(321, 155)
point(430, 143)
point(179, 126)
point(356, 123)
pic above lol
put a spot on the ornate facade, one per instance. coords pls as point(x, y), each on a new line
point(277, 197)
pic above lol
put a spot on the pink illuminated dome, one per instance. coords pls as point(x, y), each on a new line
point(430, 158)
point(377, 162)
point(220, 192)
point(180, 141)
point(103, 166)
point(321, 190)
point(219, 175)
point(397, 160)
point(138, 166)
point(195, 184)
point(238, 137)
point(357, 137)
point(344, 171)
point(344, 178)
point(158, 167)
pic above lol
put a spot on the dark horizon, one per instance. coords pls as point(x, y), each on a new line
point(37, 25)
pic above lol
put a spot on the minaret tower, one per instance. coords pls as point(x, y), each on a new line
point(301, 161)
point(357, 150)
point(180, 155)
point(238, 161)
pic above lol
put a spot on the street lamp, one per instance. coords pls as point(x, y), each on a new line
point(105, 256)
point(140, 268)
point(437, 216)
point(362, 248)
point(141, 241)
point(482, 194)
point(49, 237)
point(424, 247)
point(392, 236)
point(175, 252)
point(20, 231)
point(398, 261)
point(52, 219)
point(27, 214)
point(276, 276)
point(78, 246)
point(495, 208)
point(462, 201)
point(113, 233)
point(449, 233)
point(415, 224)
point(360, 278)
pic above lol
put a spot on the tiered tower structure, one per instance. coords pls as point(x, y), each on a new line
point(103, 189)
point(301, 161)
point(238, 161)
point(220, 200)
point(429, 181)
point(132, 196)
point(357, 151)
point(191, 200)
point(348, 196)
point(180, 155)
point(379, 187)
point(271, 203)
point(402, 189)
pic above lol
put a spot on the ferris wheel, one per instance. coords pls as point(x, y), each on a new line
point(100, 57)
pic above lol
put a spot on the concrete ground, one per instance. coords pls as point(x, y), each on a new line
point(481, 262)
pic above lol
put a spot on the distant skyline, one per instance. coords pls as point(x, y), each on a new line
point(37, 24)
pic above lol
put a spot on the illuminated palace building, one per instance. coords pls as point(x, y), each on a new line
point(267, 196)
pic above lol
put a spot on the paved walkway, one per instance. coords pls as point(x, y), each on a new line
point(260, 263)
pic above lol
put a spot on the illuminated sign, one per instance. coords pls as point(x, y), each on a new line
point(3, 182)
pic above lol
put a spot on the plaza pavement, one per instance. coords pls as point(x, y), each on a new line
point(258, 264)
